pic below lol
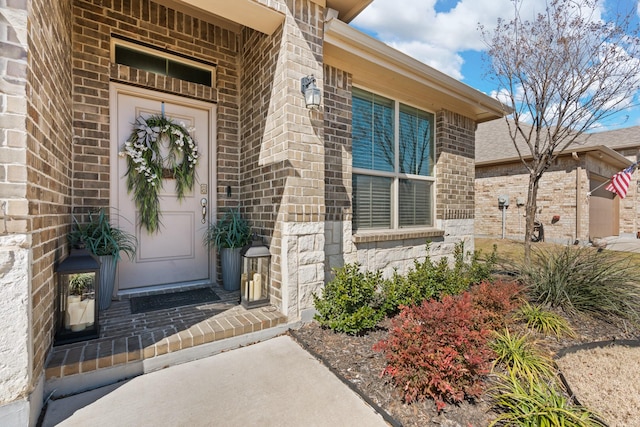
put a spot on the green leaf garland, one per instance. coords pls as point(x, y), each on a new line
point(146, 166)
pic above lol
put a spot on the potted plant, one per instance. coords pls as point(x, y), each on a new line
point(106, 242)
point(229, 235)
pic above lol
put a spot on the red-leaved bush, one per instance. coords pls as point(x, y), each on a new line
point(438, 350)
point(495, 300)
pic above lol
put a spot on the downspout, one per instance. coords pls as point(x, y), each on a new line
point(578, 210)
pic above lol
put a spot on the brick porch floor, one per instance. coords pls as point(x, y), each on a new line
point(128, 338)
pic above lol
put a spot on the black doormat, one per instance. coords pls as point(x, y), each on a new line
point(148, 303)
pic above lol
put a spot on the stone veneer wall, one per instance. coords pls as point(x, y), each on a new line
point(95, 21)
point(35, 143)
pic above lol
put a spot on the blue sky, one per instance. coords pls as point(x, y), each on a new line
point(444, 34)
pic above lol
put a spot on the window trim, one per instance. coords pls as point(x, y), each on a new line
point(397, 176)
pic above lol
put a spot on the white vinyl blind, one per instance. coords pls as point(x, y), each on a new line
point(372, 201)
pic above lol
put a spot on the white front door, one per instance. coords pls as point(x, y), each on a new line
point(174, 255)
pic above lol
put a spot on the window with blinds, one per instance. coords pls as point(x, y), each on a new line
point(393, 158)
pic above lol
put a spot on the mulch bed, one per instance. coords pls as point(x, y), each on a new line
point(352, 358)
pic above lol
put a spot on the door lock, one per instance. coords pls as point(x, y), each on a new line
point(203, 203)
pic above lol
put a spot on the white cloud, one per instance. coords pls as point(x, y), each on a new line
point(437, 39)
point(415, 28)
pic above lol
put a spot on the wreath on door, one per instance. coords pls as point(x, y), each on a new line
point(158, 148)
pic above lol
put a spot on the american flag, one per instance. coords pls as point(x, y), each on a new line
point(620, 182)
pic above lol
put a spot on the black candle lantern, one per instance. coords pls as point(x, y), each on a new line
point(255, 283)
point(78, 278)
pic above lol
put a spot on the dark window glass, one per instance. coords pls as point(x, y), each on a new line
point(163, 66)
point(189, 73)
point(416, 141)
point(373, 146)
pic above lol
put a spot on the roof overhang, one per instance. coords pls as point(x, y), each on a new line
point(378, 67)
point(603, 152)
point(254, 13)
point(248, 13)
point(348, 9)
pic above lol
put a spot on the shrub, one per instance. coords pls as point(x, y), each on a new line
point(479, 270)
point(439, 350)
point(495, 300)
point(584, 280)
point(518, 354)
point(428, 280)
point(543, 320)
point(531, 403)
point(350, 303)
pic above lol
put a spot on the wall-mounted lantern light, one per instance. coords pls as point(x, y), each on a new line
point(310, 91)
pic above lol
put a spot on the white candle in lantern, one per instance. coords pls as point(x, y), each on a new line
point(75, 311)
point(257, 287)
point(251, 290)
point(89, 312)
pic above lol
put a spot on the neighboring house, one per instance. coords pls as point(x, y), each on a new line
point(573, 203)
point(75, 74)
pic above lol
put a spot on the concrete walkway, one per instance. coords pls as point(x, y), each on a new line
point(272, 383)
point(623, 243)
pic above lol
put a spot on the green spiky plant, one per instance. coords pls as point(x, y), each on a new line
point(543, 321)
point(101, 238)
point(534, 403)
point(580, 279)
point(231, 231)
point(518, 354)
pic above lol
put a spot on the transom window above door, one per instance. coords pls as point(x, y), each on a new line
point(393, 162)
point(157, 61)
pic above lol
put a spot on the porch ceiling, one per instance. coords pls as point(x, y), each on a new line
point(376, 66)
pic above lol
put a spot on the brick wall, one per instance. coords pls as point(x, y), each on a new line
point(95, 21)
point(630, 206)
point(337, 143)
point(48, 158)
point(286, 147)
point(263, 170)
point(558, 194)
point(455, 165)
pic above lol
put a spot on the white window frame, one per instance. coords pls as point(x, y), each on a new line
point(397, 176)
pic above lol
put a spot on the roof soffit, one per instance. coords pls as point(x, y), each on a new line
point(348, 9)
point(248, 13)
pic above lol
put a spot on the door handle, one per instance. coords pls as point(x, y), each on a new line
point(203, 203)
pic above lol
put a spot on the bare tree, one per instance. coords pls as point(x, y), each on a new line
point(562, 72)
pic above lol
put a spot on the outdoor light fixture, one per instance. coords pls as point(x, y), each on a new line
point(78, 293)
point(255, 287)
point(310, 91)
